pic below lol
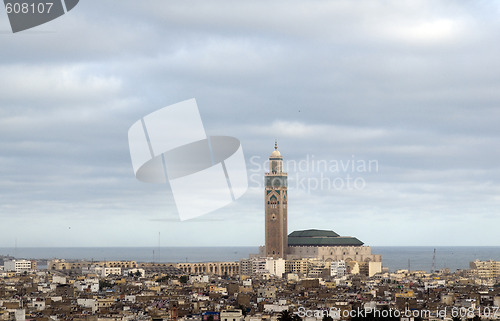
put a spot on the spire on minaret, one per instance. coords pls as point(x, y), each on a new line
point(276, 152)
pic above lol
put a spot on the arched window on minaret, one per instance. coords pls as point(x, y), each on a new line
point(273, 201)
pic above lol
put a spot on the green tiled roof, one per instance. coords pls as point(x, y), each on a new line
point(313, 233)
point(321, 238)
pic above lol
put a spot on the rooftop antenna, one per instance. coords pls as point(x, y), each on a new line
point(159, 248)
point(409, 266)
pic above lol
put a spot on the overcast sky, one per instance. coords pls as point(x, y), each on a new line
point(411, 86)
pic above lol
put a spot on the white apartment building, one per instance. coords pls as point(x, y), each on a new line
point(90, 285)
point(262, 265)
point(102, 270)
point(338, 269)
point(19, 266)
point(275, 266)
point(88, 303)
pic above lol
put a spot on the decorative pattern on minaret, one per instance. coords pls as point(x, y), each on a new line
point(275, 197)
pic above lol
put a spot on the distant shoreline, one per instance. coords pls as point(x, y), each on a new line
point(393, 257)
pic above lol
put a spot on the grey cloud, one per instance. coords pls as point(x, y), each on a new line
point(413, 85)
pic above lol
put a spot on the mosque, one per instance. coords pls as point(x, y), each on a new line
point(320, 244)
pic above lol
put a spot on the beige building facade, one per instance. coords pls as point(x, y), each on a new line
point(62, 265)
point(485, 269)
point(334, 253)
point(210, 268)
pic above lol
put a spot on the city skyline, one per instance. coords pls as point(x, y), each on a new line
point(401, 100)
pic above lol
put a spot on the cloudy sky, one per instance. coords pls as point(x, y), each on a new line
point(411, 87)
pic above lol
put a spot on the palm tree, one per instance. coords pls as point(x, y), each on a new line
point(285, 316)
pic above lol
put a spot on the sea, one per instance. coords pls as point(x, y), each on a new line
point(393, 257)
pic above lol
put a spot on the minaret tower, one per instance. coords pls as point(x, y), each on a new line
point(276, 199)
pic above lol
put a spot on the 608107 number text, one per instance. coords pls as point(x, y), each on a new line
point(16, 7)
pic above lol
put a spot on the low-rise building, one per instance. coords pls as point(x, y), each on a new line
point(231, 315)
